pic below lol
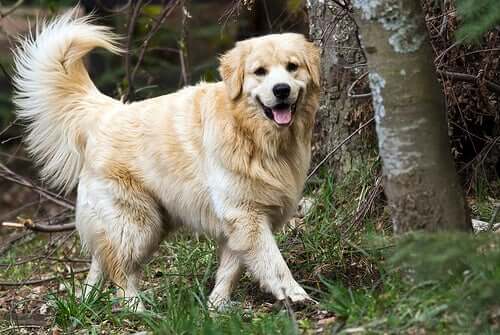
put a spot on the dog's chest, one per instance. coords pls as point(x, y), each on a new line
point(262, 189)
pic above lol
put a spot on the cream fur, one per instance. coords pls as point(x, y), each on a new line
point(205, 157)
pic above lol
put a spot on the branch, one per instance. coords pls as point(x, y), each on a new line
point(130, 93)
point(163, 16)
point(39, 227)
point(469, 78)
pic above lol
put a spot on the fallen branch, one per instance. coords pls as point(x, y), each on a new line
point(39, 227)
point(41, 281)
point(469, 78)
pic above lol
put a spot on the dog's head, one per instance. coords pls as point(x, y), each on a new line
point(272, 73)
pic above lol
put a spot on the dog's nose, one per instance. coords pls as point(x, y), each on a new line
point(281, 91)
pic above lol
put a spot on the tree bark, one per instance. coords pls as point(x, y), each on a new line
point(420, 179)
point(333, 29)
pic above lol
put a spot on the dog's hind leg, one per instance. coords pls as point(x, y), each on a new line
point(228, 274)
point(94, 280)
point(126, 229)
point(122, 250)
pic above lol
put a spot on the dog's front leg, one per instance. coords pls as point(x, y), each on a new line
point(227, 275)
point(252, 238)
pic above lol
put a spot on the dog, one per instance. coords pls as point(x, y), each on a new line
point(227, 159)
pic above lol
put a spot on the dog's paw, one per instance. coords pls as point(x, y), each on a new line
point(295, 293)
point(220, 304)
point(135, 305)
point(296, 300)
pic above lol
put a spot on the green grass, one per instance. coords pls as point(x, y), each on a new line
point(446, 283)
point(361, 275)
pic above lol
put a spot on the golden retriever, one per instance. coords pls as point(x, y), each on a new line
point(228, 159)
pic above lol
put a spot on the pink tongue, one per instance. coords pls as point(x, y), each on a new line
point(282, 116)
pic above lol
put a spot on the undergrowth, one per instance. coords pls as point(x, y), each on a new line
point(370, 281)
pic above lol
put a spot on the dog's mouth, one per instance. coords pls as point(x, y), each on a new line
point(281, 114)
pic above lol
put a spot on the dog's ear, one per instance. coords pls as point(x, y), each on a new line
point(311, 59)
point(232, 70)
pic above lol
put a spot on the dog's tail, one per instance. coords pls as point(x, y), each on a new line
point(55, 95)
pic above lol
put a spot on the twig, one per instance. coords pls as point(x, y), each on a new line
point(65, 259)
point(41, 281)
point(10, 175)
point(131, 75)
point(11, 9)
point(366, 205)
point(444, 22)
point(232, 11)
point(134, 12)
point(268, 19)
point(347, 139)
point(20, 262)
point(481, 155)
point(442, 54)
point(68, 259)
point(111, 9)
point(184, 80)
point(351, 88)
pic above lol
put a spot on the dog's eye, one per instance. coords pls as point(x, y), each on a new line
point(260, 71)
point(291, 67)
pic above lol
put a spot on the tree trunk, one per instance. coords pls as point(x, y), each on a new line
point(342, 62)
point(420, 179)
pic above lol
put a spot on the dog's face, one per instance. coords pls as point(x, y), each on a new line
point(272, 73)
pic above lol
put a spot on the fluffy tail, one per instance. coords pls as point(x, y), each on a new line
point(55, 95)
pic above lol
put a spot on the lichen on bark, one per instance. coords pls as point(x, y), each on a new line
point(406, 34)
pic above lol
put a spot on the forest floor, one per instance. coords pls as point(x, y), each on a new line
point(341, 251)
